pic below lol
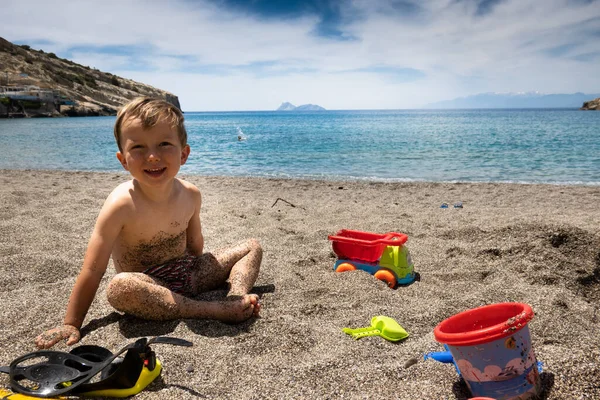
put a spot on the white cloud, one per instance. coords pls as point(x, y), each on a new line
point(208, 56)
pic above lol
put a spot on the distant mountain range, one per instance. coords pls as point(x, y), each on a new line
point(517, 100)
point(305, 107)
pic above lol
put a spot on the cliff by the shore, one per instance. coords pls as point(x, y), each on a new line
point(62, 87)
point(591, 105)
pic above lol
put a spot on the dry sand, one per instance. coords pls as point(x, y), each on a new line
point(537, 244)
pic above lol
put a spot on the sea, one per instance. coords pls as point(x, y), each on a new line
point(554, 146)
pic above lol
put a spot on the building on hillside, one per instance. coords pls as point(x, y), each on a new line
point(29, 100)
point(30, 93)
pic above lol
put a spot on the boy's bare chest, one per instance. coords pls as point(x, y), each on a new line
point(152, 238)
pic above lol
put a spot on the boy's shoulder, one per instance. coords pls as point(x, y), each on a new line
point(189, 187)
point(121, 195)
point(123, 190)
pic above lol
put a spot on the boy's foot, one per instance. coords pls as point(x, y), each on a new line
point(238, 308)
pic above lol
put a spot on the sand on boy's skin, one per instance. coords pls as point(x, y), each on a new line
point(537, 244)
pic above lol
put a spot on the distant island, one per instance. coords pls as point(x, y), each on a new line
point(516, 100)
point(34, 83)
point(305, 107)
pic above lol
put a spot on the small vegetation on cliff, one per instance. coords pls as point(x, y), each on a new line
point(96, 92)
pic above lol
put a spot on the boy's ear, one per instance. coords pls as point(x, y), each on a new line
point(122, 160)
point(185, 153)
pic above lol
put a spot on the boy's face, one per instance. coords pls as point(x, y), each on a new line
point(153, 156)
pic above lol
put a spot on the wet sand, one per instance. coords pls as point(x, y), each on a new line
point(536, 244)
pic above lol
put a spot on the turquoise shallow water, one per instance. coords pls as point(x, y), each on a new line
point(547, 146)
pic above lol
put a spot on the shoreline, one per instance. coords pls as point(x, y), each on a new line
point(359, 180)
point(532, 243)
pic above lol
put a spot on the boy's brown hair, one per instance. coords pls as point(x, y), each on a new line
point(150, 111)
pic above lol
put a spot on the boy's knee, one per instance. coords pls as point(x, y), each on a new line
point(255, 245)
point(116, 289)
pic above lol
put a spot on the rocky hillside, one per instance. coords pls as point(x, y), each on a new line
point(78, 90)
point(592, 105)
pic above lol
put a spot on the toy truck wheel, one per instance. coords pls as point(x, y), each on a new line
point(343, 267)
point(386, 276)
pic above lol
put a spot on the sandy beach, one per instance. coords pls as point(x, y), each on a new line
point(536, 244)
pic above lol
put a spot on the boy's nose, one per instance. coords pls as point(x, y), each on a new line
point(153, 155)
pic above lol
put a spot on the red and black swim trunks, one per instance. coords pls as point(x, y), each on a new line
point(176, 274)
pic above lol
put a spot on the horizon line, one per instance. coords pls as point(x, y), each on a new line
point(392, 109)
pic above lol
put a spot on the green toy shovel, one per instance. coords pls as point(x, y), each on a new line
point(383, 326)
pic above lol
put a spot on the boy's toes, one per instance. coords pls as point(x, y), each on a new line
point(246, 306)
point(257, 308)
point(254, 299)
point(251, 307)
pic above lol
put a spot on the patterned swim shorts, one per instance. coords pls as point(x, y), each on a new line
point(176, 274)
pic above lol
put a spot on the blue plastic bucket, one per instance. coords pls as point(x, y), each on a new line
point(491, 346)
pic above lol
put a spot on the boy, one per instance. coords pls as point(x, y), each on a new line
point(151, 228)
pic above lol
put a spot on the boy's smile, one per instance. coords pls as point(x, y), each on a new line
point(155, 172)
point(152, 155)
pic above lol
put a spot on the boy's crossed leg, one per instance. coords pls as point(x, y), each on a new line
point(238, 265)
point(146, 297)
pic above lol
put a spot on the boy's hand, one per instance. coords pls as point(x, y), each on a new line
point(53, 336)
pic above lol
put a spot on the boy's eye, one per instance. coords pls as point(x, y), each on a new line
point(165, 144)
point(137, 146)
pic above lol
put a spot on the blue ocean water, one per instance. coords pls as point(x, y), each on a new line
point(541, 145)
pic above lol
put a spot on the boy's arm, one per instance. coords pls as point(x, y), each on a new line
point(195, 239)
point(107, 228)
point(93, 269)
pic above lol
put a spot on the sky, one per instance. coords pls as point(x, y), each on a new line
point(233, 55)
